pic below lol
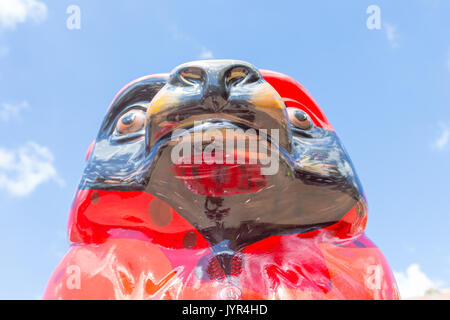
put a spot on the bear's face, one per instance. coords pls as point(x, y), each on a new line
point(277, 171)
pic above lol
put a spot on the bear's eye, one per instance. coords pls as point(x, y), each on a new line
point(130, 122)
point(236, 75)
point(192, 76)
point(299, 119)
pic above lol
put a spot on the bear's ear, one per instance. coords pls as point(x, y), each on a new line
point(89, 151)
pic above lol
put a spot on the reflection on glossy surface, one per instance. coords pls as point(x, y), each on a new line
point(147, 227)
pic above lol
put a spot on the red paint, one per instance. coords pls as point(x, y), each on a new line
point(121, 244)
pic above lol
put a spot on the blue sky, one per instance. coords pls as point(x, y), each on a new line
point(385, 91)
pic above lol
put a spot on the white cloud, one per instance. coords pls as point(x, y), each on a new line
point(206, 54)
point(13, 12)
point(25, 168)
point(9, 111)
point(443, 139)
point(413, 283)
point(391, 34)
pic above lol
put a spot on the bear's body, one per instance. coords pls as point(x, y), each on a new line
point(148, 223)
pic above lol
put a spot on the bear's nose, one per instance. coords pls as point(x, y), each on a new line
point(216, 79)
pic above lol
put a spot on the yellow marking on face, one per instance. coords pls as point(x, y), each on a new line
point(160, 101)
point(267, 97)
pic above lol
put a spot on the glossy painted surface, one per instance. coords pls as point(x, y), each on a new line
point(144, 226)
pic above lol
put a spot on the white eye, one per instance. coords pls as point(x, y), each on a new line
point(236, 75)
point(192, 76)
point(130, 122)
point(299, 119)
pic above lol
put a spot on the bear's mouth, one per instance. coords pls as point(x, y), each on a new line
point(206, 122)
point(216, 157)
point(221, 180)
